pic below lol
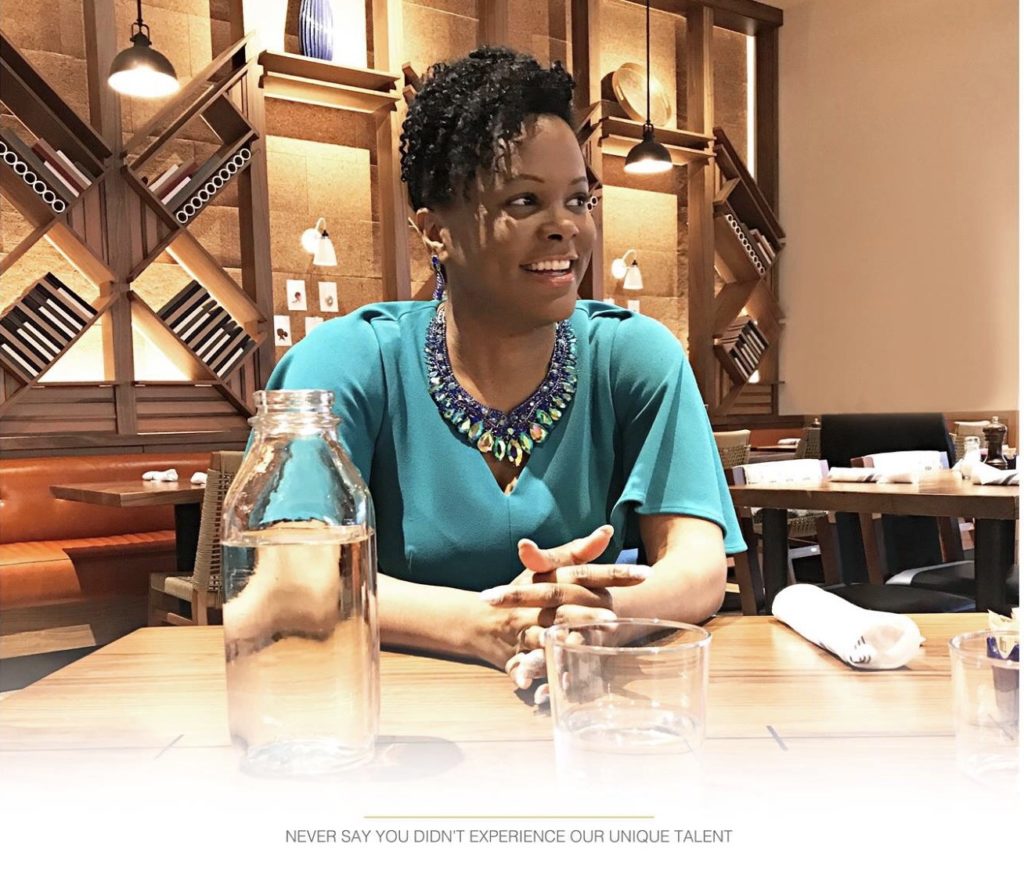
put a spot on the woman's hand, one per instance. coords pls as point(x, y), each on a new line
point(561, 586)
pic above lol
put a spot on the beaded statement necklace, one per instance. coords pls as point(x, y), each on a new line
point(512, 436)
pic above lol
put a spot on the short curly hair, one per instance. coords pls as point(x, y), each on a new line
point(467, 111)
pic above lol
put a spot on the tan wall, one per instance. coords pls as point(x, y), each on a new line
point(898, 192)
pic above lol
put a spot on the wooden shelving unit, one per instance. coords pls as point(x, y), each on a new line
point(616, 135)
point(321, 83)
point(111, 231)
point(718, 190)
point(747, 242)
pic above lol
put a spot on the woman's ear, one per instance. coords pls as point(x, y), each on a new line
point(428, 225)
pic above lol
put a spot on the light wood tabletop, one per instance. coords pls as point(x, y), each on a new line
point(131, 493)
point(938, 494)
point(159, 687)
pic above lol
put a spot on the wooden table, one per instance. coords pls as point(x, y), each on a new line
point(938, 494)
point(763, 678)
point(134, 738)
point(186, 497)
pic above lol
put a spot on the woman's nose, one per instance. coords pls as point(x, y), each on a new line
point(558, 230)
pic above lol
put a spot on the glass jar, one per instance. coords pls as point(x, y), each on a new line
point(300, 594)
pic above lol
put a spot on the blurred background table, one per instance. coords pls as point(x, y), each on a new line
point(184, 496)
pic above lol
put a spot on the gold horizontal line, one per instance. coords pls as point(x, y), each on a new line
point(508, 817)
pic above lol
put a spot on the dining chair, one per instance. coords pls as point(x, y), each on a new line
point(899, 542)
point(809, 445)
point(963, 429)
point(202, 589)
point(810, 533)
point(733, 447)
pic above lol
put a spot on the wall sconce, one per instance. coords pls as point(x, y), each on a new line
point(316, 242)
point(141, 71)
point(627, 270)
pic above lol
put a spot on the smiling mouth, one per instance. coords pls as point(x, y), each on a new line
point(553, 268)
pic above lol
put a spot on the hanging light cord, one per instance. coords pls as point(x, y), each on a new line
point(649, 124)
point(140, 24)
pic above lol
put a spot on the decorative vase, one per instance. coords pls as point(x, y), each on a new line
point(316, 29)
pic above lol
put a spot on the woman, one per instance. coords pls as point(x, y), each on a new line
point(515, 438)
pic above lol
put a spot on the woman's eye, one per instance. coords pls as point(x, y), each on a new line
point(523, 199)
point(578, 200)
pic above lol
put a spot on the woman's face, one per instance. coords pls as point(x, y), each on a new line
point(519, 243)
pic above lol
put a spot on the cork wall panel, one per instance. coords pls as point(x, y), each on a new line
point(655, 242)
point(623, 41)
point(729, 61)
point(542, 28)
point(309, 180)
point(433, 31)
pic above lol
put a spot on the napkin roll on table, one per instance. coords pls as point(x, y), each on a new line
point(168, 476)
point(862, 638)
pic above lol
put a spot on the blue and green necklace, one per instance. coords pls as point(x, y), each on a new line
point(506, 436)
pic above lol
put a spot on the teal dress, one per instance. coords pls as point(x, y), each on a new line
point(634, 440)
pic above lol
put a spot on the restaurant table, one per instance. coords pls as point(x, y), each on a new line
point(938, 494)
point(790, 729)
point(186, 497)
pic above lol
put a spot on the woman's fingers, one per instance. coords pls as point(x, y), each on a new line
point(577, 552)
point(525, 667)
point(578, 584)
point(532, 637)
point(546, 595)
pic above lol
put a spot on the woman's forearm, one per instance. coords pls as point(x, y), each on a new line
point(431, 618)
point(683, 586)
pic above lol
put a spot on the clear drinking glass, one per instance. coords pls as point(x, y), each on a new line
point(300, 594)
point(986, 705)
point(627, 687)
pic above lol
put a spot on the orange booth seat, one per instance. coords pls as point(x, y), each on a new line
point(76, 575)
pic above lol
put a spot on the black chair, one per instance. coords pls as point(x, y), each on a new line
point(910, 542)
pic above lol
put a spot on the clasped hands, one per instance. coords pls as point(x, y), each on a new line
point(557, 586)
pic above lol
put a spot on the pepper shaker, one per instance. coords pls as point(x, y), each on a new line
point(995, 435)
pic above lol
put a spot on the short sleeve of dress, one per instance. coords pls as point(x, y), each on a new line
point(670, 462)
point(342, 355)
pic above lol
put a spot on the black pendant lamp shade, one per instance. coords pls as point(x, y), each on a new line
point(140, 70)
point(648, 156)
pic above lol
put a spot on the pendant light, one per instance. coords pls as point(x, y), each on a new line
point(648, 156)
point(141, 71)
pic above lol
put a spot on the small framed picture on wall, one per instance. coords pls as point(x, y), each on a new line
point(312, 323)
point(295, 290)
point(282, 330)
point(328, 296)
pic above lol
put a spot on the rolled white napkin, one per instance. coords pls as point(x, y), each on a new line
point(862, 638)
point(872, 475)
point(199, 478)
point(788, 442)
point(986, 475)
point(168, 476)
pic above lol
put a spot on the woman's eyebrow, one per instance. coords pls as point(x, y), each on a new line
point(526, 177)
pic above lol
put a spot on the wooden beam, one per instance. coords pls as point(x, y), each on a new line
point(766, 46)
point(700, 103)
point(742, 16)
point(254, 206)
point(493, 29)
point(586, 52)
